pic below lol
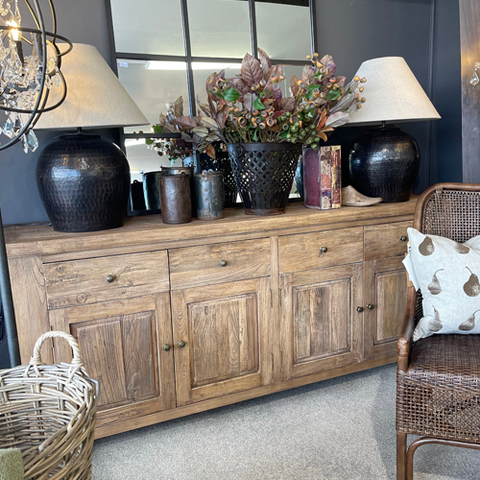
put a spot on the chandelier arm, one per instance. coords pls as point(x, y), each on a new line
point(32, 13)
point(26, 126)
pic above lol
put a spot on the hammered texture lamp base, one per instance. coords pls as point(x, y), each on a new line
point(384, 163)
point(84, 183)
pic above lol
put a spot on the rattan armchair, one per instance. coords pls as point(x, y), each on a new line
point(438, 378)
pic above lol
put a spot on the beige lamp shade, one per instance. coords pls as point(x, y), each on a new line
point(393, 94)
point(95, 96)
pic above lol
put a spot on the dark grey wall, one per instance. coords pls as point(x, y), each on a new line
point(351, 31)
point(82, 22)
point(357, 30)
point(447, 95)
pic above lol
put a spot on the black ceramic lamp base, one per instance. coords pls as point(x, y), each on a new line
point(84, 183)
point(384, 163)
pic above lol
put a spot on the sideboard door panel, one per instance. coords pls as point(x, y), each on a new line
point(122, 348)
point(386, 292)
point(320, 327)
point(227, 335)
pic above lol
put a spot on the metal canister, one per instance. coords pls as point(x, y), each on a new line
point(151, 190)
point(175, 198)
point(188, 171)
point(209, 195)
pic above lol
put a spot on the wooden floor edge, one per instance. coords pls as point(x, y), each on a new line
point(178, 412)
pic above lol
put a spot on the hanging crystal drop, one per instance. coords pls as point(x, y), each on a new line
point(474, 80)
point(9, 128)
point(24, 143)
point(48, 81)
point(32, 141)
point(58, 80)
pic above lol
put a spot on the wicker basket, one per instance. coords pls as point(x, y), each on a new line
point(49, 413)
point(264, 175)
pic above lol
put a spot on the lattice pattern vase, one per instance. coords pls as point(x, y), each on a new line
point(264, 175)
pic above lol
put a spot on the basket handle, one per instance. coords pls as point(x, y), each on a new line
point(239, 150)
point(77, 356)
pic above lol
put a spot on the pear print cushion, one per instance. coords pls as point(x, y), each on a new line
point(447, 273)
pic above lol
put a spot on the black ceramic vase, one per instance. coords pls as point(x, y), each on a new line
point(384, 163)
point(84, 183)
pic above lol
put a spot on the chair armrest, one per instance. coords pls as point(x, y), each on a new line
point(404, 345)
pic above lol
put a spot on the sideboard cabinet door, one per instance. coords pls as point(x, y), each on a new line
point(222, 339)
point(386, 299)
point(122, 347)
point(321, 328)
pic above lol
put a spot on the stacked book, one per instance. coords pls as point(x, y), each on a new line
point(322, 177)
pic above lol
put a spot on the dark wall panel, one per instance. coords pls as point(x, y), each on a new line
point(447, 154)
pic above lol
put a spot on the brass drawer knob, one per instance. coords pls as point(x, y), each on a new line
point(110, 278)
point(370, 306)
point(167, 347)
point(324, 250)
point(403, 238)
point(223, 263)
point(359, 309)
point(181, 343)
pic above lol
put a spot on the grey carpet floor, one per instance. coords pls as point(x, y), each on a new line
point(340, 429)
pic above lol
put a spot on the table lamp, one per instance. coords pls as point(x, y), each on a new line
point(84, 180)
point(384, 161)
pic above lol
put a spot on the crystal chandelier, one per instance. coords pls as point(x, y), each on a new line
point(475, 80)
point(30, 65)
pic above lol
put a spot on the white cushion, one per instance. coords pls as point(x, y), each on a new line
point(448, 275)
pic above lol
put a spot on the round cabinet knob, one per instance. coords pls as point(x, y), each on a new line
point(359, 309)
point(370, 306)
point(167, 347)
point(181, 343)
point(324, 250)
point(223, 263)
point(110, 278)
point(403, 238)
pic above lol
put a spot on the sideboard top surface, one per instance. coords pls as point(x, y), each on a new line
point(28, 240)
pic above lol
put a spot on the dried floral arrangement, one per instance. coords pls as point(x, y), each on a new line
point(194, 135)
point(251, 108)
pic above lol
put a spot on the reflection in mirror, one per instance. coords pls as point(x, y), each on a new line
point(153, 84)
point(219, 28)
point(288, 37)
point(147, 26)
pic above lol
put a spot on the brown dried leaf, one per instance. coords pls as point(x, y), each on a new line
point(210, 150)
point(222, 116)
point(287, 104)
point(208, 122)
point(178, 107)
point(307, 72)
point(264, 62)
point(187, 123)
point(162, 119)
point(251, 70)
point(239, 85)
point(294, 84)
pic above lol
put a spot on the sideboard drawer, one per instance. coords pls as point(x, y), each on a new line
point(383, 241)
point(219, 263)
point(93, 280)
point(309, 251)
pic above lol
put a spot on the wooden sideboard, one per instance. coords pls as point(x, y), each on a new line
point(174, 320)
